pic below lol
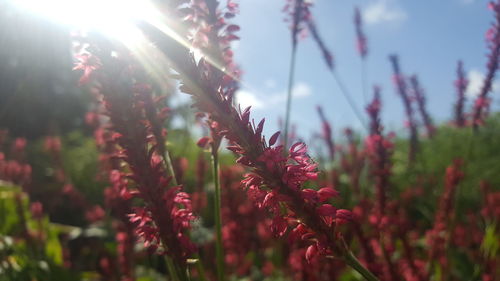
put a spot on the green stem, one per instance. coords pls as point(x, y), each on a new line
point(289, 94)
point(353, 262)
point(170, 167)
point(172, 269)
point(364, 79)
point(200, 268)
point(348, 98)
point(218, 220)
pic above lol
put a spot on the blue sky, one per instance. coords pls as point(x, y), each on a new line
point(429, 36)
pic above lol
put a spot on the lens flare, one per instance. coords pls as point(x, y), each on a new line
point(114, 18)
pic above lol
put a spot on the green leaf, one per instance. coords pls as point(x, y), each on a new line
point(490, 245)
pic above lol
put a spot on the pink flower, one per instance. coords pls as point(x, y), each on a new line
point(52, 144)
point(360, 35)
point(493, 40)
point(326, 193)
point(402, 90)
point(326, 210)
point(36, 209)
point(312, 251)
point(327, 133)
point(88, 63)
point(418, 95)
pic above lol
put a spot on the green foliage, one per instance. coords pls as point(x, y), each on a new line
point(35, 255)
point(80, 157)
point(8, 215)
point(491, 246)
point(478, 151)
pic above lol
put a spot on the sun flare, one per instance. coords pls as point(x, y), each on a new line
point(114, 18)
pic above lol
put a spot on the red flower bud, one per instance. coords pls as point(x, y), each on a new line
point(203, 142)
point(326, 193)
point(326, 210)
point(312, 251)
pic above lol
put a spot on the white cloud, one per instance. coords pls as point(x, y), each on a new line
point(381, 11)
point(476, 80)
point(270, 83)
point(256, 100)
point(247, 98)
point(301, 90)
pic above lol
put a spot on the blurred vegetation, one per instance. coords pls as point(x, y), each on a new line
point(37, 92)
point(35, 258)
point(478, 150)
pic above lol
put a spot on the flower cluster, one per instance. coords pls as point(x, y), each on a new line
point(53, 147)
point(402, 90)
point(277, 178)
point(360, 34)
point(482, 102)
point(134, 125)
point(437, 238)
point(327, 133)
point(14, 171)
point(302, 21)
point(116, 194)
point(298, 15)
point(378, 149)
point(245, 225)
point(118, 200)
point(491, 201)
point(419, 96)
point(13, 166)
point(353, 161)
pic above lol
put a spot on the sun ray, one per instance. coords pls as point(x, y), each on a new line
point(119, 20)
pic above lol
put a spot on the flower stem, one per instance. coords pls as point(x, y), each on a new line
point(171, 266)
point(218, 220)
point(172, 269)
point(348, 98)
point(289, 94)
point(176, 272)
point(200, 268)
point(170, 167)
point(354, 263)
point(364, 80)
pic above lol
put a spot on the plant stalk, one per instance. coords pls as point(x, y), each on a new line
point(354, 263)
point(172, 269)
point(291, 76)
point(218, 219)
point(200, 268)
point(348, 98)
point(170, 166)
point(364, 80)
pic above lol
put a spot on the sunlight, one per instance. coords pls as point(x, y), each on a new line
point(117, 20)
point(113, 18)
